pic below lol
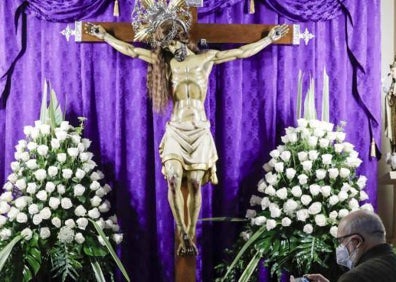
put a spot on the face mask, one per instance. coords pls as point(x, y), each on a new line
point(343, 257)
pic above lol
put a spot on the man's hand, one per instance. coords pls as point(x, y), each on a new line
point(316, 278)
point(278, 32)
point(95, 30)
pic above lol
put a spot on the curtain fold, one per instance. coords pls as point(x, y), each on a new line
point(249, 103)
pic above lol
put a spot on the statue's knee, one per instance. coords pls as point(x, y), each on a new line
point(195, 184)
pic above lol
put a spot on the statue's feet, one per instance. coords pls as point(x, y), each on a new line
point(186, 247)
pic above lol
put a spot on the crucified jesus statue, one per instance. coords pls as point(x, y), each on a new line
point(179, 72)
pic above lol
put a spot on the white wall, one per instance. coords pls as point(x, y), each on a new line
point(385, 192)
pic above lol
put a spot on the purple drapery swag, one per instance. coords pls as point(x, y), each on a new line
point(249, 103)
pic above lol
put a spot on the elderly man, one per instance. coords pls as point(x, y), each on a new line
point(363, 250)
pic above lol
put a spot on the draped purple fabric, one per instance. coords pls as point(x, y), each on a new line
point(249, 104)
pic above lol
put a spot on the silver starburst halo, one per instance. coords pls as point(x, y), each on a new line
point(148, 15)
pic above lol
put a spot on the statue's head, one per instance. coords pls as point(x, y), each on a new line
point(160, 22)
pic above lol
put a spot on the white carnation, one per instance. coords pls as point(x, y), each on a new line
point(265, 202)
point(260, 186)
point(270, 191)
point(20, 203)
point(340, 136)
point(353, 204)
point(61, 135)
point(271, 179)
point(80, 173)
point(275, 211)
point(95, 201)
point(361, 182)
point(367, 206)
point(12, 178)
point(15, 166)
point(6, 196)
point(302, 122)
point(313, 141)
point(338, 148)
point(66, 235)
point(60, 189)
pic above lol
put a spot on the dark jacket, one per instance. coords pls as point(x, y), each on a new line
point(378, 264)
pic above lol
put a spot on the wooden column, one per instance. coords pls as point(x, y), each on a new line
point(185, 266)
point(390, 179)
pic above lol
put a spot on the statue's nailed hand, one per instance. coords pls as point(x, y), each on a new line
point(278, 32)
point(95, 30)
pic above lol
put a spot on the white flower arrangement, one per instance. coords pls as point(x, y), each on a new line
point(53, 211)
point(310, 183)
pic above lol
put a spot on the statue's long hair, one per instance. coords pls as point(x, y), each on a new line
point(159, 76)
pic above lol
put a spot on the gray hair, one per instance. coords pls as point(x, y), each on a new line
point(366, 223)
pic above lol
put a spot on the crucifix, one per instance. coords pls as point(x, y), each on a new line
point(180, 72)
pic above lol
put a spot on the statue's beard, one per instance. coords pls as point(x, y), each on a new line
point(181, 53)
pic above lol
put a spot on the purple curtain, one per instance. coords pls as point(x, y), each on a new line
point(249, 104)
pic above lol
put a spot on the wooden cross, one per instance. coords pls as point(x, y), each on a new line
point(185, 267)
point(211, 33)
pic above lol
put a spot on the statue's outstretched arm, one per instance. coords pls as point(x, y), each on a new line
point(251, 49)
point(121, 46)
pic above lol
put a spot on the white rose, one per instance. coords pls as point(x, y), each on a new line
point(260, 186)
point(333, 173)
point(313, 141)
point(363, 196)
point(45, 213)
point(314, 189)
point(286, 221)
point(60, 135)
point(290, 206)
point(325, 190)
point(265, 202)
point(285, 156)
point(21, 184)
point(302, 179)
point(40, 174)
point(12, 213)
point(95, 201)
point(32, 164)
point(307, 165)
point(79, 238)
point(254, 200)
point(296, 191)
point(118, 238)
point(306, 199)
point(70, 223)
point(274, 210)
point(25, 156)
point(67, 173)
point(302, 214)
point(302, 156)
point(80, 211)
point(260, 220)
point(21, 217)
point(3, 220)
point(353, 192)
point(33, 209)
point(94, 185)
point(326, 159)
point(94, 213)
point(42, 150)
point(361, 182)
point(80, 173)
point(348, 147)
point(27, 130)
point(78, 190)
point(55, 143)
point(285, 139)
point(308, 228)
point(107, 188)
point(52, 171)
point(282, 193)
point(333, 215)
point(271, 179)
point(27, 234)
point(267, 167)
point(342, 213)
point(54, 203)
point(85, 156)
point(315, 208)
point(20, 202)
point(56, 222)
point(333, 200)
point(368, 207)
point(302, 122)
point(12, 178)
point(313, 155)
point(31, 188)
point(61, 157)
point(324, 143)
point(333, 231)
point(340, 136)
point(344, 172)
point(269, 190)
point(105, 207)
point(318, 132)
point(274, 154)
point(61, 189)
point(45, 233)
point(45, 129)
point(292, 138)
point(37, 219)
point(342, 196)
point(50, 187)
point(5, 234)
point(73, 152)
point(320, 220)
point(320, 174)
point(279, 167)
point(82, 223)
point(32, 146)
point(250, 213)
point(8, 186)
point(64, 126)
point(86, 142)
point(271, 224)
point(66, 203)
point(96, 175)
point(6, 196)
point(290, 173)
point(15, 166)
point(338, 148)
point(353, 162)
point(353, 204)
point(42, 195)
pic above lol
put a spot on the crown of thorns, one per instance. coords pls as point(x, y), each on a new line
point(148, 15)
